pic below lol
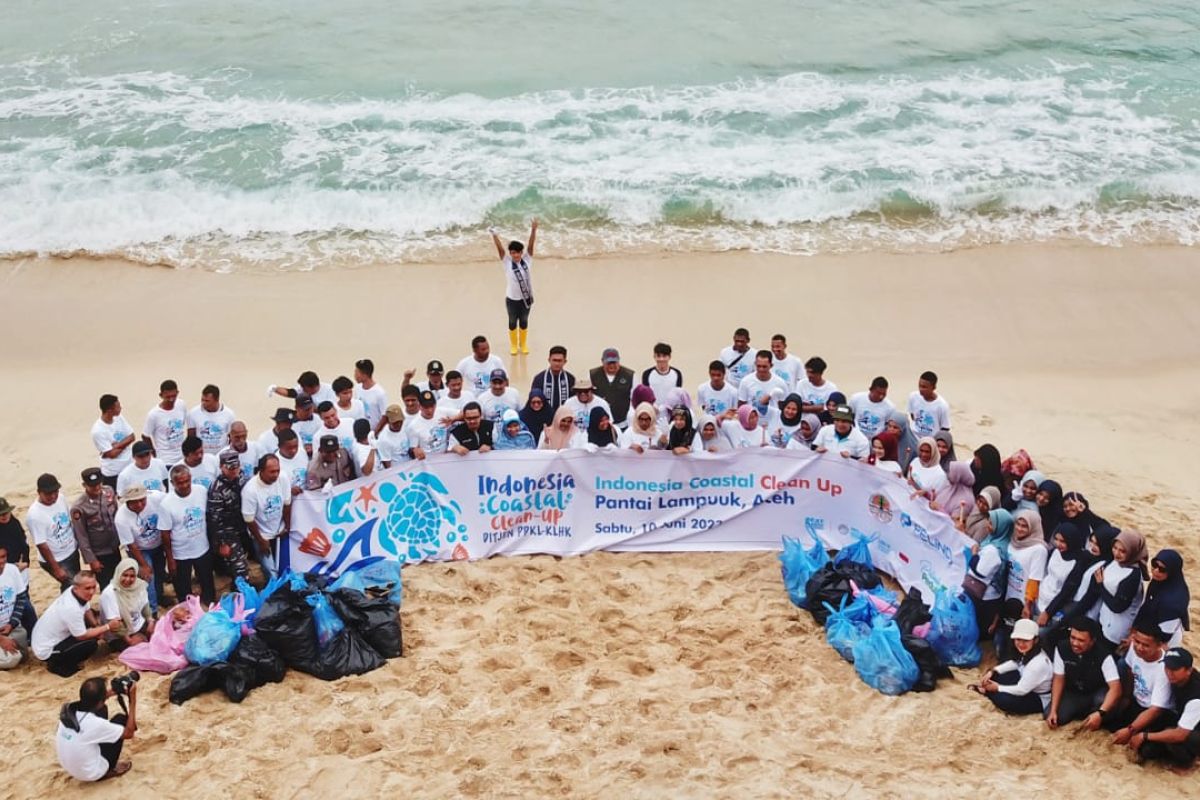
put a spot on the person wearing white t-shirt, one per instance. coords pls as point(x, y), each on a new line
point(454, 396)
point(499, 397)
point(268, 441)
point(477, 368)
point(814, 389)
point(436, 379)
point(13, 637)
point(737, 358)
point(307, 424)
point(763, 389)
point(112, 437)
point(332, 424)
point(392, 444)
point(124, 590)
point(308, 384)
point(872, 409)
point(370, 393)
point(929, 412)
point(267, 510)
point(247, 451)
point(518, 286)
point(145, 470)
point(1028, 554)
point(211, 420)
point(166, 424)
point(1022, 684)
point(347, 405)
point(49, 521)
point(183, 522)
point(716, 396)
point(366, 459)
point(788, 367)
point(293, 461)
point(203, 466)
point(137, 528)
point(842, 437)
point(88, 743)
point(428, 433)
point(1143, 707)
point(662, 377)
point(582, 401)
point(66, 634)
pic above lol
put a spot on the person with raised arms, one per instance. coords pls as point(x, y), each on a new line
point(518, 287)
point(435, 375)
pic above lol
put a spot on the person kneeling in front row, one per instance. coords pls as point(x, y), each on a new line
point(1087, 685)
point(67, 634)
point(1021, 685)
point(88, 742)
point(1179, 745)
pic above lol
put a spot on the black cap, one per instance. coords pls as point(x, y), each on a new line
point(48, 483)
point(434, 366)
point(281, 415)
point(1177, 658)
point(427, 398)
point(91, 476)
point(141, 449)
point(303, 400)
point(329, 443)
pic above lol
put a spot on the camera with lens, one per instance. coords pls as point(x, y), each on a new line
point(120, 685)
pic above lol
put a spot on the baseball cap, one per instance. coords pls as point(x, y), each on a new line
point(1026, 629)
point(1177, 658)
point(91, 476)
point(48, 483)
point(610, 356)
point(426, 398)
point(844, 413)
point(281, 415)
point(394, 413)
point(303, 400)
point(499, 375)
point(135, 492)
point(5, 506)
point(510, 416)
point(434, 366)
point(583, 385)
point(141, 449)
point(230, 459)
point(329, 443)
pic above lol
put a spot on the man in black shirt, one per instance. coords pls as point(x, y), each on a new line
point(1086, 684)
point(473, 433)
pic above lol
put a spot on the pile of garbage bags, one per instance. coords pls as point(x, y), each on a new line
point(298, 621)
point(896, 644)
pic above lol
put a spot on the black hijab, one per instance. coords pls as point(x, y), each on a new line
point(1087, 519)
point(1167, 599)
point(596, 436)
point(680, 437)
point(12, 539)
point(988, 472)
point(791, 421)
point(536, 420)
point(1052, 512)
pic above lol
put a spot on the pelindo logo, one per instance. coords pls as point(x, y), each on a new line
point(880, 507)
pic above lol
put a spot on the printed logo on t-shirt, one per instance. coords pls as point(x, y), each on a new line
point(8, 601)
point(193, 520)
point(149, 531)
point(211, 433)
point(924, 422)
point(174, 432)
point(273, 506)
point(61, 532)
point(869, 423)
point(299, 476)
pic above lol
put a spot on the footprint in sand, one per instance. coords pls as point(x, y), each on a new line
point(598, 681)
point(567, 659)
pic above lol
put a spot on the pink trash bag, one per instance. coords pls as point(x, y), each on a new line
point(164, 652)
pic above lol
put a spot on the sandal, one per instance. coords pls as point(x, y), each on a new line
point(120, 769)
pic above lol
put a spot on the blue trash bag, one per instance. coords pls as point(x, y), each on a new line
point(858, 551)
point(213, 639)
point(382, 578)
point(844, 627)
point(269, 589)
point(251, 599)
point(228, 603)
point(328, 623)
point(953, 631)
point(799, 564)
point(348, 580)
point(881, 660)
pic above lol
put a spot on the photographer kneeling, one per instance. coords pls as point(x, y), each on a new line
point(88, 743)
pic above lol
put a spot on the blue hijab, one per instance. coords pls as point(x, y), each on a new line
point(1002, 530)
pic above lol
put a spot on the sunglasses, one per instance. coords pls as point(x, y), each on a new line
point(1158, 565)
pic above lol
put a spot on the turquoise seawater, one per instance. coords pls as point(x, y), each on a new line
point(299, 134)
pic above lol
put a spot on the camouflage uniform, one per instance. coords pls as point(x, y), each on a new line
point(226, 526)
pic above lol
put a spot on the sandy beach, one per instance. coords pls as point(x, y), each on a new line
point(664, 675)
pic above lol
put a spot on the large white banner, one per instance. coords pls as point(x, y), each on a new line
point(452, 507)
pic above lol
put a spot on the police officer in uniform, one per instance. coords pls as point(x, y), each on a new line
point(226, 528)
point(93, 518)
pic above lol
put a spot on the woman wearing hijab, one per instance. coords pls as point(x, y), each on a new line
point(1049, 499)
point(977, 524)
point(642, 433)
point(957, 499)
point(709, 438)
point(666, 409)
point(641, 394)
point(745, 432)
point(536, 414)
point(906, 442)
point(1027, 556)
point(784, 420)
point(834, 400)
point(1012, 469)
point(1167, 598)
point(1077, 510)
point(883, 454)
point(681, 433)
point(126, 598)
point(1024, 494)
point(1065, 570)
point(510, 434)
point(1121, 586)
point(925, 473)
point(985, 580)
point(806, 433)
point(561, 433)
point(986, 466)
point(1087, 597)
point(945, 446)
point(600, 431)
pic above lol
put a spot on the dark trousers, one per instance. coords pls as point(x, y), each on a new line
point(27, 613)
point(68, 654)
point(1014, 703)
point(985, 614)
point(518, 313)
point(112, 750)
point(108, 568)
point(1128, 712)
point(203, 567)
point(1075, 705)
point(70, 565)
point(1183, 754)
point(157, 560)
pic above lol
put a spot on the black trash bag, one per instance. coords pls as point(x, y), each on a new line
point(285, 624)
point(831, 583)
point(193, 681)
point(930, 666)
point(345, 654)
point(375, 619)
point(912, 612)
point(238, 680)
point(266, 665)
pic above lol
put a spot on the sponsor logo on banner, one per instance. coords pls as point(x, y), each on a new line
point(880, 507)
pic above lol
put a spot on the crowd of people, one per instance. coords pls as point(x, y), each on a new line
point(1080, 632)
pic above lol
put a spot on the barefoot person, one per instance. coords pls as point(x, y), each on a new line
point(518, 295)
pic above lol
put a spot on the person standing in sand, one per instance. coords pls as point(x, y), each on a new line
point(518, 295)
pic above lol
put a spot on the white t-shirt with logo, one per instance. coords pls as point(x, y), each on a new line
point(268, 441)
point(306, 429)
point(928, 417)
point(247, 461)
point(152, 477)
point(1150, 685)
point(778, 434)
point(140, 529)
point(430, 435)
point(185, 518)
point(263, 505)
point(392, 446)
point(716, 401)
point(855, 443)
point(79, 751)
point(104, 436)
point(212, 426)
point(63, 618)
point(1024, 564)
point(167, 430)
point(295, 469)
point(110, 609)
point(744, 366)
point(871, 418)
point(344, 433)
point(357, 410)
point(51, 525)
point(761, 394)
point(205, 473)
point(375, 400)
point(493, 406)
point(477, 375)
point(789, 369)
point(815, 395)
point(444, 399)
point(583, 411)
point(739, 437)
point(11, 585)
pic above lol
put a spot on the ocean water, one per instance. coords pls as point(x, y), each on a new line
point(231, 135)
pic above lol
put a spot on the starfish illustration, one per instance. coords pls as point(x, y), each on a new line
point(366, 495)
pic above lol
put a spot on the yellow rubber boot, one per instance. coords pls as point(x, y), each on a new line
point(524, 344)
point(512, 341)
